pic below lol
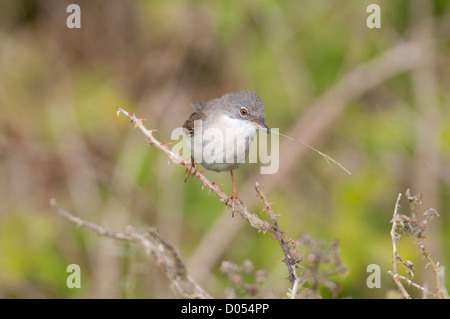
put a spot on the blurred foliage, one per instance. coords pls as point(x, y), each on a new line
point(60, 137)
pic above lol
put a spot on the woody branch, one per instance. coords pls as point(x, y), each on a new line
point(153, 244)
point(243, 211)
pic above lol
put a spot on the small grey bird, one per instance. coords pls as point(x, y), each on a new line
point(220, 132)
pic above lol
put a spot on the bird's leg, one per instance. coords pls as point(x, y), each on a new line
point(191, 170)
point(233, 197)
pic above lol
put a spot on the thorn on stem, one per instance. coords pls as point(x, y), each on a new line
point(137, 122)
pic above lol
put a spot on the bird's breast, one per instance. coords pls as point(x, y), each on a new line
point(223, 144)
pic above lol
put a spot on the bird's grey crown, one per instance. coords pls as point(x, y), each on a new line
point(250, 100)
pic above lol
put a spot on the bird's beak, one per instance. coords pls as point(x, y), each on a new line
point(262, 125)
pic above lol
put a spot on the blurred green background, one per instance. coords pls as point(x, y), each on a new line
point(60, 137)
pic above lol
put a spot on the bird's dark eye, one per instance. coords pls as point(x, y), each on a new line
point(244, 112)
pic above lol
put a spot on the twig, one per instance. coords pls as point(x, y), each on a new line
point(395, 237)
point(424, 290)
point(88, 225)
point(291, 257)
point(401, 223)
point(154, 244)
point(294, 288)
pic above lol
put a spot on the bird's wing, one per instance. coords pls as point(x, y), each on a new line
point(190, 122)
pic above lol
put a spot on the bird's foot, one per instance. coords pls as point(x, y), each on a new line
point(191, 170)
point(231, 202)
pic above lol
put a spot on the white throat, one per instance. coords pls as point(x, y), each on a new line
point(239, 125)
